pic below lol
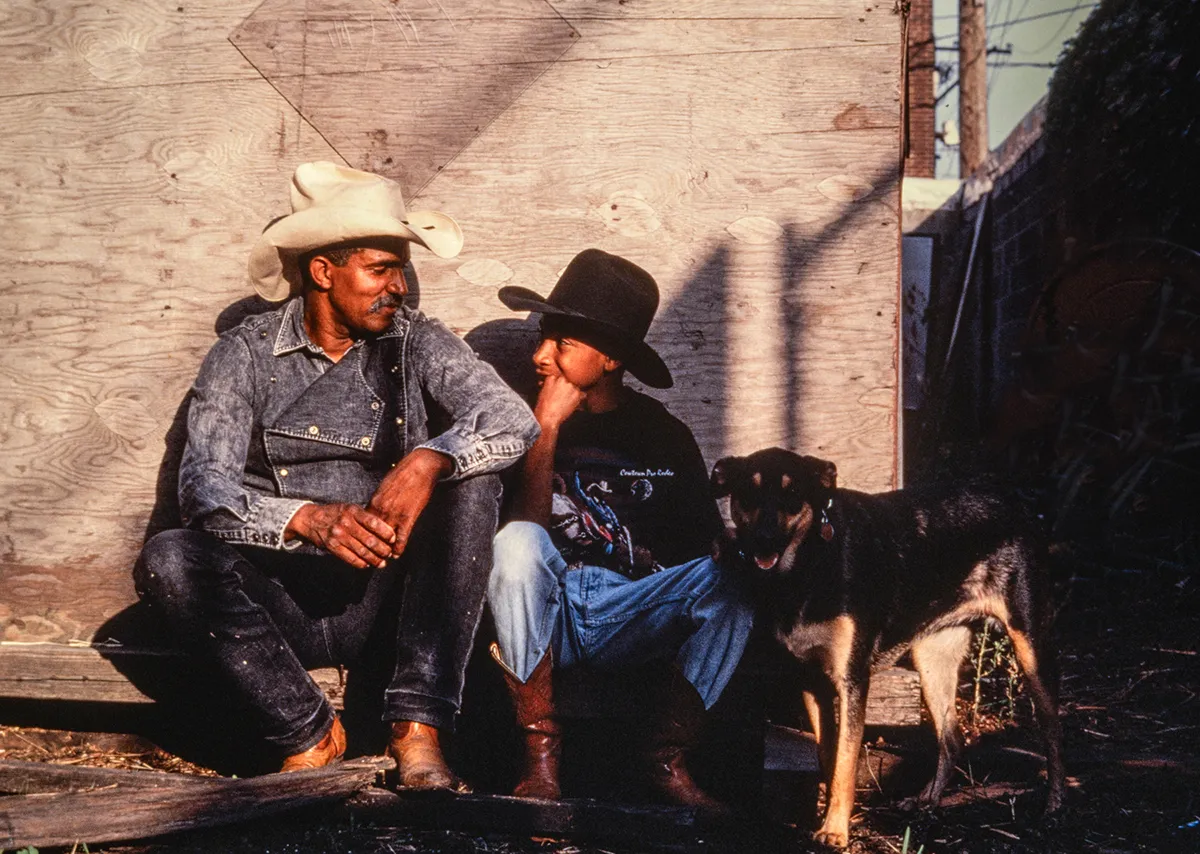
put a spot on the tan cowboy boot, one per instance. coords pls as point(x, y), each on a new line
point(329, 749)
point(533, 701)
point(419, 762)
point(676, 731)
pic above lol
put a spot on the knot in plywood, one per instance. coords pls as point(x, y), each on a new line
point(128, 418)
point(485, 272)
point(629, 214)
point(755, 230)
point(113, 57)
point(845, 188)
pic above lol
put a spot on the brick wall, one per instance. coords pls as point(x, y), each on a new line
point(1020, 254)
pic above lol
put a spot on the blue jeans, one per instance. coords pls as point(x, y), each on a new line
point(264, 616)
point(592, 616)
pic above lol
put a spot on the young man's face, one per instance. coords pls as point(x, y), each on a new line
point(562, 355)
point(367, 290)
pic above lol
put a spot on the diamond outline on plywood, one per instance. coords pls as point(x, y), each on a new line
point(401, 87)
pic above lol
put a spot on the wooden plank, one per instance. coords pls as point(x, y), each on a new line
point(792, 10)
point(894, 699)
point(25, 778)
point(774, 244)
point(743, 152)
point(127, 244)
point(56, 46)
point(648, 827)
point(284, 39)
point(113, 814)
point(51, 671)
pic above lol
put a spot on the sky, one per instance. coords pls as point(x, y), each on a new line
point(1035, 32)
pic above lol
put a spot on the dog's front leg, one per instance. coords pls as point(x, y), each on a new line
point(819, 707)
point(851, 708)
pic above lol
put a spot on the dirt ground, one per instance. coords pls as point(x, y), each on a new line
point(1130, 679)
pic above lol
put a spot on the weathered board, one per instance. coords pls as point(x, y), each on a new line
point(744, 151)
point(134, 806)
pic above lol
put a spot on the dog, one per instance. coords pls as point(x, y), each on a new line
point(849, 582)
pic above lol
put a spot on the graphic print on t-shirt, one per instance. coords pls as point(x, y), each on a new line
point(595, 506)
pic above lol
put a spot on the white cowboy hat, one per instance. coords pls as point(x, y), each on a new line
point(332, 204)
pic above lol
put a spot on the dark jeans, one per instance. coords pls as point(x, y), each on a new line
point(264, 616)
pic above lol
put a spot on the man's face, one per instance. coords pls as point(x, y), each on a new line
point(367, 290)
point(565, 356)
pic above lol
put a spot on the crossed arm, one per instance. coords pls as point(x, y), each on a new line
point(368, 536)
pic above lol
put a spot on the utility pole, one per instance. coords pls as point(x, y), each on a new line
point(972, 86)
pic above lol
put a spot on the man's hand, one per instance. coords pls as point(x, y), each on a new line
point(403, 494)
point(352, 533)
point(556, 401)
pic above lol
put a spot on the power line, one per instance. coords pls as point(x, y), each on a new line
point(1052, 38)
point(992, 25)
point(1038, 17)
point(1003, 32)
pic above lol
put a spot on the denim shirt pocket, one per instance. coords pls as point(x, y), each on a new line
point(331, 444)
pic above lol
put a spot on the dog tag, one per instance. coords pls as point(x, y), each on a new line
point(826, 531)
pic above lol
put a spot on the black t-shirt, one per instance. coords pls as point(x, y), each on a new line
point(631, 490)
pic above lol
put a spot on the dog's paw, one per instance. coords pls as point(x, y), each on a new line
point(916, 803)
point(832, 838)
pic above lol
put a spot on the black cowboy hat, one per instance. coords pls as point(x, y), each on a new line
point(611, 295)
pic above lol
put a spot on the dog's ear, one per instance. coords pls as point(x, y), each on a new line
point(825, 471)
point(723, 474)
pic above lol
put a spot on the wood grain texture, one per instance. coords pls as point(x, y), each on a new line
point(772, 10)
point(27, 778)
point(140, 812)
point(106, 673)
point(780, 331)
point(56, 46)
point(642, 827)
point(128, 217)
point(744, 152)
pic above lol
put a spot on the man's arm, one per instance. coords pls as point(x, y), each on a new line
point(490, 428)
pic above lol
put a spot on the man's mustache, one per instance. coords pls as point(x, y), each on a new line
point(385, 301)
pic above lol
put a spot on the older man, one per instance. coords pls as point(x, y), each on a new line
point(339, 466)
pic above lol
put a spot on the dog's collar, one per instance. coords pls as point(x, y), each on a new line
point(826, 525)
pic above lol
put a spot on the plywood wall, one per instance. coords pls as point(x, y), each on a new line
point(744, 151)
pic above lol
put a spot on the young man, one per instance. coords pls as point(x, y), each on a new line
point(605, 561)
point(340, 463)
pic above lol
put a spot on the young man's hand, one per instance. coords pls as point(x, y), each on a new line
point(556, 401)
point(347, 531)
point(403, 494)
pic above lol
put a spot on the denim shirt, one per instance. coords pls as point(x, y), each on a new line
point(274, 423)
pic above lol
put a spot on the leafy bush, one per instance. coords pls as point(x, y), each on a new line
point(1123, 123)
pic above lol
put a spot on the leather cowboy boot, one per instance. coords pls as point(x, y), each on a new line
point(419, 762)
point(329, 749)
point(674, 733)
point(533, 701)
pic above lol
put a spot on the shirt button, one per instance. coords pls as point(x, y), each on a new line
point(365, 441)
point(314, 430)
point(283, 472)
point(272, 379)
point(374, 404)
point(399, 420)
